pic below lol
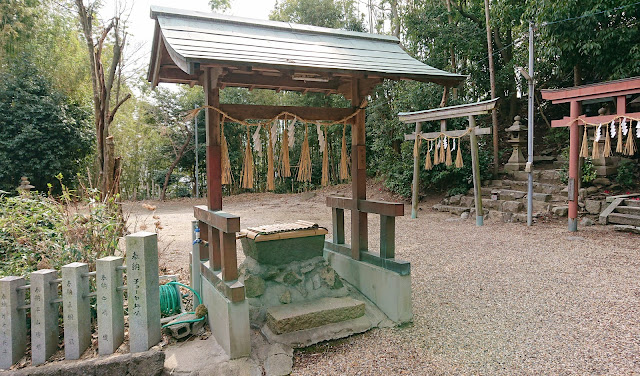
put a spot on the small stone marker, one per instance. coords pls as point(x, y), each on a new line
point(143, 291)
point(44, 315)
point(75, 308)
point(110, 304)
point(13, 321)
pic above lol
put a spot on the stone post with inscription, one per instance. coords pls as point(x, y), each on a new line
point(44, 315)
point(110, 304)
point(13, 321)
point(143, 291)
point(76, 309)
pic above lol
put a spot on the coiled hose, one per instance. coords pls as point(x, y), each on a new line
point(170, 302)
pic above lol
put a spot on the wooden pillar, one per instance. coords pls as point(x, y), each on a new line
point(416, 176)
point(229, 256)
point(574, 166)
point(475, 168)
point(214, 161)
point(359, 230)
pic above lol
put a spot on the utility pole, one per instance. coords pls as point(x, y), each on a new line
point(195, 132)
point(371, 16)
point(529, 166)
point(492, 80)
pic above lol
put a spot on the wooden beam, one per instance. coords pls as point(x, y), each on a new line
point(451, 112)
point(416, 173)
point(359, 228)
point(391, 209)
point(245, 111)
point(274, 82)
point(593, 91)
point(475, 168)
point(458, 133)
point(212, 124)
point(224, 222)
point(603, 119)
point(398, 266)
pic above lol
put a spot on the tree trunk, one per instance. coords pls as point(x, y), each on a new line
point(492, 78)
point(183, 148)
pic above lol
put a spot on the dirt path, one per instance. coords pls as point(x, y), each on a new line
point(502, 299)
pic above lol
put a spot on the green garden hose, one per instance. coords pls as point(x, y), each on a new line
point(170, 302)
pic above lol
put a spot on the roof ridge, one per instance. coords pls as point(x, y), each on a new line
point(160, 10)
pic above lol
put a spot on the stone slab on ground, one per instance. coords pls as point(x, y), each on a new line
point(307, 315)
point(147, 363)
point(627, 228)
point(457, 210)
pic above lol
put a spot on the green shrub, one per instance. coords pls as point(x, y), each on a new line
point(38, 232)
point(626, 175)
point(588, 171)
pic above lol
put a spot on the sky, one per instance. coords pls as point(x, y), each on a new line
point(140, 25)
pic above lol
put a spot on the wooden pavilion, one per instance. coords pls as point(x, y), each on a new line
point(218, 51)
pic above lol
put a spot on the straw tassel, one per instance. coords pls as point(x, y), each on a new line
point(284, 152)
point(584, 151)
point(226, 163)
point(619, 147)
point(606, 152)
point(448, 161)
point(325, 161)
point(304, 170)
point(247, 168)
point(416, 146)
point(436, 153)
point(442, 156)
point(427, 161)
point(459, 161)
point(344, 168)
point(630, 147)
point(595, 151)
point(271, 185)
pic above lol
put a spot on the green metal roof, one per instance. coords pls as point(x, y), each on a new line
point(192, 38)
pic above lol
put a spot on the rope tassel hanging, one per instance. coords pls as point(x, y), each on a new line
point(595, 151)
point(436, 153)
point(325, 160)
point(270, 172)
point(284, 151)
point(304, 170)
point(584, 150)
point(459, 161)
point(427, 161)
point(344, 168)
point(607, 144)
point(247, 168)
point(448, 161)
point(619, 147)
point(442, 158)
point(630, 147)
point(224, 151)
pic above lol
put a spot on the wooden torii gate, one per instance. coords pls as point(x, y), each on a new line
point(442, 114)
point(619, 90)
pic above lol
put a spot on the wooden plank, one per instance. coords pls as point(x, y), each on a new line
point(245, 111)
point(229, 257)
point(223, 221)
point(212, 126)
point(593, 91)
point(612, 198)
point(337, 215)
point(273, 82)
point(215, 254)
point(458, 133)
point(604, 216)
point(359, 229)
point(234, 291)
point(387, 237)
point(393, 209)
point(204, 235)
point(290, 235)
point(451, 112)
point(475, 167)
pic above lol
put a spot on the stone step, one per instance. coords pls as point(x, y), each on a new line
point(540, 176)
point(537, 187)
point(289, 318)
point(457, 210)
point(510, 194)
point(635, 210)
point(634, 203)
point(624, 219)
point(625, 228)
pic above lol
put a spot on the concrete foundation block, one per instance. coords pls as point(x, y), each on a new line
point(75, 308)
point(390, 291)
point(110, 304)
point(229, 321)
point(143, 291)
point(13, 321)
point(44, 315)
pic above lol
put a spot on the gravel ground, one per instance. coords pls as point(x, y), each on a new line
point(502, 299)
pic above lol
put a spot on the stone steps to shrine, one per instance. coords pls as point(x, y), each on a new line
point(622, 211)
point(294, 317)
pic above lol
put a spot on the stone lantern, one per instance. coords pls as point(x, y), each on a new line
point(517, 161)
point(25, 185)
point(605, 166)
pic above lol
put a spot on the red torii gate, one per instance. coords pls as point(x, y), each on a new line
point(620, 90)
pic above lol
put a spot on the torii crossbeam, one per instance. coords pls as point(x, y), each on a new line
point(442, 114)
